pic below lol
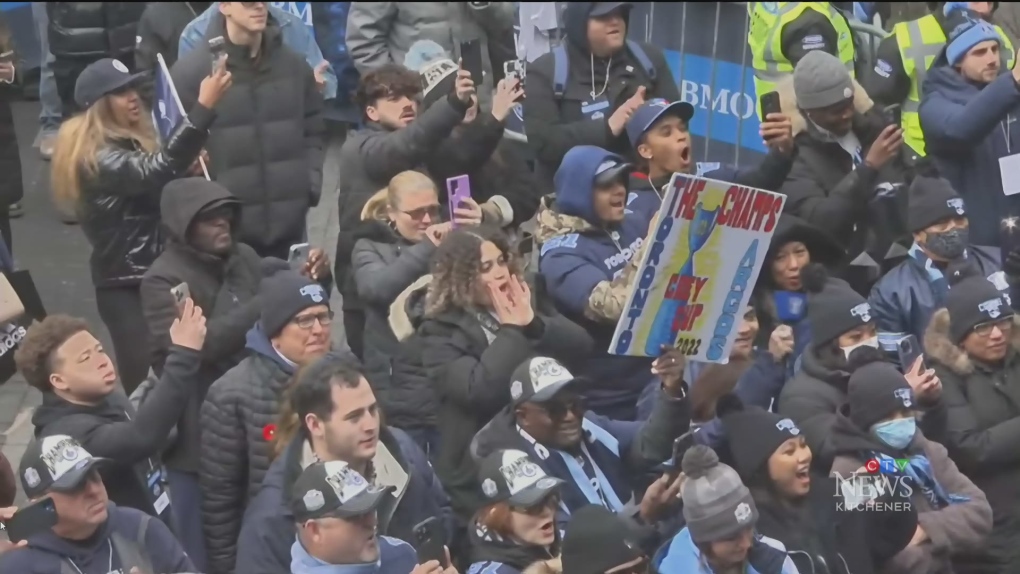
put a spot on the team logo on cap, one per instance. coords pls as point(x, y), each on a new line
point(955, 204)
point(863, 311)
point(848, 92)
point(993, 307)
point(545, 372)
point(61, 453)
point(489, 488)
point(32, 477)
point(516, 390)
point(314, 292)
point(904, 395)
point(120, 67)
point(519, 471)
point(787, 425)
point(313, 500)
point(742, 513)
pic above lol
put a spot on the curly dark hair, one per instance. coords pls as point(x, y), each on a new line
point(456, 266)
point(387, 81)
point(34, 357)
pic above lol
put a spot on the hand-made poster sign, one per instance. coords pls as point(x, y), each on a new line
point(697, 274)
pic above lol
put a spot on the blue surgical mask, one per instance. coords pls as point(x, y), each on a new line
point(896, 433)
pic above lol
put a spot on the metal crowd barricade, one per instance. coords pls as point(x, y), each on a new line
point(713, 70)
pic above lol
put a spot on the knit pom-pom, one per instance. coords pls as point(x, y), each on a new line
point(728, 403)
point(813, 277)
point(698, 460)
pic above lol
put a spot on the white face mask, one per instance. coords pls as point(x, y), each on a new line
point(872, 342)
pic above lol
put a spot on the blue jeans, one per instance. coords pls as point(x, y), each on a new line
point(186, 499)
point(50, 114)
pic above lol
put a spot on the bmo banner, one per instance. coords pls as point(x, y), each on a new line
point(302, 10)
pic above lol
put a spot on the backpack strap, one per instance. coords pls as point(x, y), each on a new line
point(132, 553)
point(642, 57)
point(561, 71)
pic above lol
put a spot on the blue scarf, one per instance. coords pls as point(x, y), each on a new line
point(939, 283)
point(922, 476)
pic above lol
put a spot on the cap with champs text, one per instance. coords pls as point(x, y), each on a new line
point(538, 379)
point(55, 463)
point(512, 476)
point(333, 490)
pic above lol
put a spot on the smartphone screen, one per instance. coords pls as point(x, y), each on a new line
point(458, 189)
point(471, 60)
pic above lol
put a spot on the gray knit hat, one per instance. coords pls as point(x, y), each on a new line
point(820, 80)
point(717, 505)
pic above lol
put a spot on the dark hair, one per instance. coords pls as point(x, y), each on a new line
point(313, 391)
point(34, 357)
point(456, 265)
point(387, 81)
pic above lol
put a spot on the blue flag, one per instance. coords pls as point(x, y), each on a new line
point(166, 109)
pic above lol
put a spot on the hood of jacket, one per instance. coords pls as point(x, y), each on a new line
point(941, 348)
point(788, 101)
point(54, 408)
point(257, 342)
point(488, 546)
point(847, 439)
point(575, 24)
point(951, 84)
point(183, 199)
point(550, 222)
point(813, 367)
point(575, 180)
point(823, 248)
point(408, 310)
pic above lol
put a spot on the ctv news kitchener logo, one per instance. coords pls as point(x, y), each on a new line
point(881, 487)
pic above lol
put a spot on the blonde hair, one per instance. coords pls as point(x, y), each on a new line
point(75, 154)
point(387, 198)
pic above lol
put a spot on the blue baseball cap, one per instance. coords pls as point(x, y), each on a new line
point(650, 112)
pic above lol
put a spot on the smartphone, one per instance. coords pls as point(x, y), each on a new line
point(298, 255)
point(893, 114)
point(429, 541)
point(458, 189)
point(514, 70)
point(471, 60)
point(218, 53)
point(181, 293)
point(680, 446)
point(909, 350)
point(30, 520)
point(770, 104)
point(7, 57)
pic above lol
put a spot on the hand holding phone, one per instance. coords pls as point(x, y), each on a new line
point(181, 294)
point(770, 104)
point(36, 518)
point(429, 541)
point(471, 60)
point(893, 114)
point(909, 351)
point(458, 191)
point(218, 53)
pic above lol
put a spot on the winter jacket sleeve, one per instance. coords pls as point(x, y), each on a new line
point(467, 149)
point(301, 39)
point(368, 34)
point(580, 287)
point(164, 550)
point(143, 436)
point(961, 527)
point(887, 83)
point(838, 209)
point(887, 309)
point(385, 154)
point(813, 414)
point(420, 465)
point(976, 448)
point(548, 134)
point(129, 172)
point(950, 127)
point(761, 384)
point(380, 282)
point(646, 444)
point(314, 130)
point(769, 175)
point(223, 469)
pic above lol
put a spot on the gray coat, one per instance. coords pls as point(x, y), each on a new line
point(234, 455)
point(382, 32)
point(383, 266)
point(266, 143)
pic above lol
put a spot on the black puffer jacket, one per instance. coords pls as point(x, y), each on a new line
point(410, 402)
point(119, 206)
point(225, 288)
point(11, 185)
point(93, 30)
point(266, 144)
point(235, 454)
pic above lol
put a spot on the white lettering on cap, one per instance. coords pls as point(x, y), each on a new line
point(62, 454)
point(546, 372)
point(344, 481)
point(519, 471)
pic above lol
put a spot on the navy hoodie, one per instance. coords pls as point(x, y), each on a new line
point(46, 551)
point(578, 253)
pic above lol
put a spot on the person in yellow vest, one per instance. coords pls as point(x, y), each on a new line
point(781, 33)
point(903, 60)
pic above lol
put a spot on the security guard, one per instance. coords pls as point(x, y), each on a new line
point(782, 32)
point(904, 57)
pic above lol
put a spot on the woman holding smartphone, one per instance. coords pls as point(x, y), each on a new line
point(109, 164)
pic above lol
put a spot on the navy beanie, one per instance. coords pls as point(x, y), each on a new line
point(284, 295)
point(965, 30)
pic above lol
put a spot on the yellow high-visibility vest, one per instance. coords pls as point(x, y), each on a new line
point(765, 39)
point(920, 42)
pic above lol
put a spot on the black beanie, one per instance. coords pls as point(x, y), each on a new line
point(752, 434)
point(931, 199)
point(877, 390)
point(833, 306)
point(284, 295)
point(972, 301)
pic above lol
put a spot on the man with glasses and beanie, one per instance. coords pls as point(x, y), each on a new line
point(90, 534)
point(597, 458)
point(239, 414)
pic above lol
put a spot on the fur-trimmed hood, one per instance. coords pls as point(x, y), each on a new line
point(788, 100)
point(408, 310)
point(939, 347)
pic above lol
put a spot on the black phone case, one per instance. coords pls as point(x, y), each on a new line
point(428, 541)
point(31, 520)
point(770, 104)
point(471, 59)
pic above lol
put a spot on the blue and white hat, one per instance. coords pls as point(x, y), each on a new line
point(512, 476)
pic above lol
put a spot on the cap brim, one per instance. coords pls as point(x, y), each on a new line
point(682, 110)
point(603, 8)
point(551, 391)
point(614, 174)
point(124, 82)
point(536, 493)
point(73, 479)
point(363, 503)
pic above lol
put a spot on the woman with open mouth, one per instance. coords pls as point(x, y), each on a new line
point(798, 508)
point(516, 531)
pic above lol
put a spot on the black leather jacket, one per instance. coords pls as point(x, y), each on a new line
point(93, 30)
point(119, 208)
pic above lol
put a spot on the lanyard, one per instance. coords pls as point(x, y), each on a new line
point(109, 567)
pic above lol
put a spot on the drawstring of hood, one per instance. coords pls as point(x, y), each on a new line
point(605, 84)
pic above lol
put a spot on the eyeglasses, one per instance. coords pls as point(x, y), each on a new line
point(559, 409)
point(306, 321)
point(419, 214)
point(985, 329)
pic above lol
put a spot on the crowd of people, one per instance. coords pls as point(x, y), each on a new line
point(474, 419)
